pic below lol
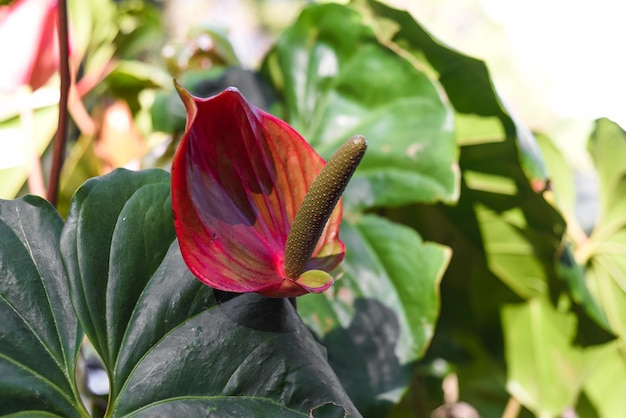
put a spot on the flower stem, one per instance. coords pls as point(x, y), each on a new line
point(318, 204)
point(64, 70)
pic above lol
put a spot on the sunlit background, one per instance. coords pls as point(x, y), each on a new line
point(557, 64)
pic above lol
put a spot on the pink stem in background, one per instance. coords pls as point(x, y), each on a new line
point(61, 135)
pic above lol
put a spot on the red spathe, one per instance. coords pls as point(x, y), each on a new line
point(238, 179)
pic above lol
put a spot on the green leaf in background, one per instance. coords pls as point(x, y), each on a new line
point(500, 163)
point(168, 342)
point(466, 80)
point(523, 234)
point(127, 79)
point(39, 336)
point(379, 317)
point(606, 385)
point(81, 163)
point(562, 192)
point(337, 80)
point(93, 30)
point(141, 33)
point(606, 145)
point(561, 178)
point(604, 253)
point(604, 256)
point(545, 372)
point(511, 255)
point(593, 325)
point(503, 227)
point(519, 231)
point(18, 149)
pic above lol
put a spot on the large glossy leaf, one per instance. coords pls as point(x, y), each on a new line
point(169, 343)
point(39, 336)
point(378, 319)
point(545, 372)
point(337, 80)
point(108, 257)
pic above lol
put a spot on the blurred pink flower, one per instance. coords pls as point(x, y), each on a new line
point(28, 44)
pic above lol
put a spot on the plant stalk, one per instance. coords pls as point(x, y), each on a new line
point(64, 71)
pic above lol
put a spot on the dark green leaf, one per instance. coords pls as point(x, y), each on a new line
point(219, 407)
point(169, 342)
point(39, 336)
point(378, 319)
point(101, 259)
point(337, 80)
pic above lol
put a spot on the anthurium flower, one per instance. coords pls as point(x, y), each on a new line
point(239, 177)
point(28, 43)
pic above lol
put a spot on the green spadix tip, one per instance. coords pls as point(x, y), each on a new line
point(318, 204)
